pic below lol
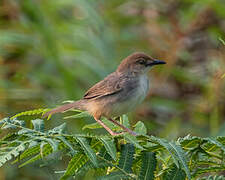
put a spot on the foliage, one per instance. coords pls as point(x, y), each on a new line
point(121, 157)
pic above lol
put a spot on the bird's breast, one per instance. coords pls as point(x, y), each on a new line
point(142, 89)
point(130, 98)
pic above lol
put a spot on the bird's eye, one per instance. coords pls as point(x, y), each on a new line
point(141, 61)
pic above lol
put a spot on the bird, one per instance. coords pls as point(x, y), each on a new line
point(118, 93)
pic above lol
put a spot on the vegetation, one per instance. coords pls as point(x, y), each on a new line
point(52, 51)
point(139, 157)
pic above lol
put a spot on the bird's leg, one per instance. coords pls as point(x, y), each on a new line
point(106, 127)
point(123, 127)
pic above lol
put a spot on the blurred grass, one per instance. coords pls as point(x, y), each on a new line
point(51, 51)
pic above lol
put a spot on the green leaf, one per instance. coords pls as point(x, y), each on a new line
point(75, 163)
point(59, 129)
point(46, 150)
point(103, 162)
point(221, 139)
point(168, 147)
point(216, 143)
point(97, 125)
point(148, 166)
point(28, 152)
point(176, 152)
point(153, 148)
point(216, 177)
point(38, 125)
point(207, 170)
point(80, 173)
point(125, 121)
point(189, 142)
point(174, 173)
point(11, 123)
point(31, 112)
point(221, 40)
point(67, 143)
point(88, 151)
point(92, 126)
point(105, 155)
point(2, 121)
point(9, 137)
point(182, 158)
point(25, 131)
point(133, 140)
point(140, 128)
point(54, 143)
point(126, 157)
point(109, 146)
point(8, 126)
point(15, 151)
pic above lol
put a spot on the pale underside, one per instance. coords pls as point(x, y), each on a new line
point(116, 95)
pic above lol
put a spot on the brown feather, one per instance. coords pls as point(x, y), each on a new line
point(109, 85)
point(74, 105)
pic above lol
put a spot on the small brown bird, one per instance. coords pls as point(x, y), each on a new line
point(117, 94)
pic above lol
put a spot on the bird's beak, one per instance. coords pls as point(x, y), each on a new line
point(155, 62)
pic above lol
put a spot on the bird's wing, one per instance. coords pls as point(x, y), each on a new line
point(112, 84)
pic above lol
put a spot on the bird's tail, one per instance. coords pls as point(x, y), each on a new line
point(80, 104)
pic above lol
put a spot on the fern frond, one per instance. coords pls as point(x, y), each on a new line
point(47, 150)
point(38, 125)
point(109, 146)
point(102, 165)
point(215, 143)
point(125, 174)
point(8, 137)
point(190, 143)
point(208, 163)
point(133, 140)
point(221, 139)
point(126, 157)
point(83, 170)
point(14, 151)
point(97, 125)
point(68, 144)
point(211, 169)
point(75, 163)
point(176, 152)
point(148, 166)
point(164, 143)
point(28, 152)
point(140, 128)
point(31, 112)
point(216, 177)
point(125, 121)
point(80, 159)
point(52, 142)
point(223, 42)
point(174, 173)
point(137, 155)
point(88, 151)
point(182, 158)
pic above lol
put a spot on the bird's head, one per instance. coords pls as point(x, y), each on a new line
point(138, 63)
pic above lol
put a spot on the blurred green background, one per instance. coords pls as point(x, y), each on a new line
point(54, 50)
